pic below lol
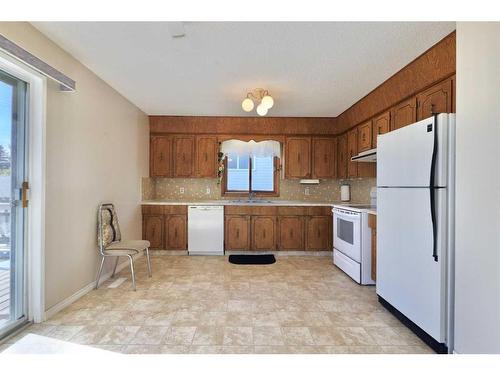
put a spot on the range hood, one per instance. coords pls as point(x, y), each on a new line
point(369, 156)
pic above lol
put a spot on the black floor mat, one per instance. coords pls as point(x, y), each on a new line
point(252, 259)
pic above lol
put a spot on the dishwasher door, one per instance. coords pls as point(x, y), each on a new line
point(206, 230)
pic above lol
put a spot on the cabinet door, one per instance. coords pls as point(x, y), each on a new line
point(152, 230)
point(291, 233)
point(352, 150)
point(342, 156)
point(298, 157)
point(183, 156)
point(319, 233)
point(263, 232)
point(160, 158)
point(176, 232)
point(237, 232)
point(405, 113)
point(381, 125)
point(437, 99)
point(324, 157)
point(206, 156)
point(365, 136)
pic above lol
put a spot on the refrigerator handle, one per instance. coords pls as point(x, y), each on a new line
point(432, 192)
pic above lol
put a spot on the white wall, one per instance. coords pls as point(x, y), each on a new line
point(477, 307)
point(97, 150)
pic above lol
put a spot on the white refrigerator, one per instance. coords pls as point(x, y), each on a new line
point(415, 227)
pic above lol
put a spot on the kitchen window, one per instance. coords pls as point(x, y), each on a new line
point(251, 167)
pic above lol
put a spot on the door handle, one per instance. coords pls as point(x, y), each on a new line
point(24, 194)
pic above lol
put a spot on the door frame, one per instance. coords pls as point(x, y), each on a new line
point(35, 228)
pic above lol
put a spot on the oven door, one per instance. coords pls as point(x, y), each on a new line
point(347, 233)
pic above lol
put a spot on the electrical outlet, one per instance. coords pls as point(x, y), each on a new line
point(306, 191)
point(208, 190)
point(181, 190)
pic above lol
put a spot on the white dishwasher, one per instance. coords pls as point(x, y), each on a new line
point(206, 230)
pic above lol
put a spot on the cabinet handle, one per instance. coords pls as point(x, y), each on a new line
point(206, 157)
point(161, 156)
point(153, 234)
point(237, 233)
point(379, 130)
point(319, 233)
point(298, 158)
point(291, 233)
point(175, 232)
point(264, 233)
point(325, 158)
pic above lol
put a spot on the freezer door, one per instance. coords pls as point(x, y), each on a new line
point(408, 275)
point(405, 156)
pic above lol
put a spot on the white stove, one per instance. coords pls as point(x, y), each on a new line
point(352, 241)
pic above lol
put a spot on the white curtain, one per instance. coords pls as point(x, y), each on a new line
point(252, 148)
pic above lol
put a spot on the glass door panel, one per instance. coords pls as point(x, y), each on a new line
point(12, 212)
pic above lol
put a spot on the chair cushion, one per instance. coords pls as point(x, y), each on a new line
point(128, 245)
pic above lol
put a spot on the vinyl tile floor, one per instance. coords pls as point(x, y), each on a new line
point(200, 304)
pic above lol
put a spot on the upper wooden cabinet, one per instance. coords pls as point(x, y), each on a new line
point(437, 99)
point(206, 156)
point(263, 232)
point(405, 113)
point(298, 157)
point(160, 157)
point(342, 156)
point(352, 150)
point(365, 136)
point(381, 125)
point(324, 159)
point(183, 155)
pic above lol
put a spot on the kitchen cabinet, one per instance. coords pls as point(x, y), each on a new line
point(319, 233)
point(176, 232)
point(183, 156)
point(291, 233)
point(365, 136)
point(152, 229)
point(437, 99)
point(263, 233)
point(352, 150)
point(160, 157)
point(381, 125)
point(206, 156)
point(237, 232)
point(372, 224)
point(342, 156)
point(298, 157)
point(405, 113)
point(324, 158)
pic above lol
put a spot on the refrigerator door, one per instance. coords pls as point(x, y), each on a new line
point(409, 156)
point(408, 275)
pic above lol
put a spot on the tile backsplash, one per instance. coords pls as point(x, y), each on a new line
point(208, 189)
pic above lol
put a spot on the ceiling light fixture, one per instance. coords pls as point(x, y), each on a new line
point(261, 96)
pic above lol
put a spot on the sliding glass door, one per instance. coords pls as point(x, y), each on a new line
point(13, 200)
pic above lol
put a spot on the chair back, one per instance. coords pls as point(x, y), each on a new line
point(108, 230)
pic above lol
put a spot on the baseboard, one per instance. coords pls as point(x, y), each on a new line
point(282, 253)
point(87, 288)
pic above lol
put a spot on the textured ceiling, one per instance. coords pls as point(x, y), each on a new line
point(310, 68)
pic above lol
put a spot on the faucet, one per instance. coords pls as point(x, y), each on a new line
point(251, 195)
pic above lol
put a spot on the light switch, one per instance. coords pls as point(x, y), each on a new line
point(306, 191)
point(181, 190)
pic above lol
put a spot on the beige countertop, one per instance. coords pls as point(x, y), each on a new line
point(236, 202)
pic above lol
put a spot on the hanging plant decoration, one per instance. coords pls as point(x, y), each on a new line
point(220, 168)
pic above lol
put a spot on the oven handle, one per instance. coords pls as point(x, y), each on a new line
point(351, 217)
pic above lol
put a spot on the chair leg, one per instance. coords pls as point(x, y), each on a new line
point(132, 271)
point(114, 269)
point(149, 262)
point(99, 273)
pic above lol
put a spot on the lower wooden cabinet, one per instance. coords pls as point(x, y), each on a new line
point(176, 232)
point(319, 233)
point(291, 233)
point(152, 230)
point(263, 233)
point(237, 232)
